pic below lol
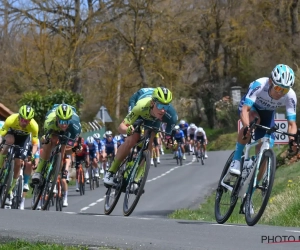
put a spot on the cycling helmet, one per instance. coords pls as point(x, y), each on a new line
point(97, 136)
point(124, 135)
point(90, 140)
point(193, 126)
point(176, 127)
point(163, 95)
point(64, 112)
point(26, 112)
point(182, 122)
point(108, 132)
point(283, 76)
point(118, 137)
point(200, 129)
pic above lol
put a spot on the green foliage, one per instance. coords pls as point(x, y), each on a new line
point(43, 103)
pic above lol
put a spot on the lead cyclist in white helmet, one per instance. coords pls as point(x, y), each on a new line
point(264, 96)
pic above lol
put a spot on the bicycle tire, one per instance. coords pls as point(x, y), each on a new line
point(58, 196)
point(127, 211)
point(180, 160)
point(249, 220)
point(19, 192)
point(219, 192)
point(52, 177)
point(7, 183)
point(81, 181)
point(155, 162)
point(91, 179)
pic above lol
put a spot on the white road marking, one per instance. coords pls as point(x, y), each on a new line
point(293, 231)
point(226, 225)
point(153, 179)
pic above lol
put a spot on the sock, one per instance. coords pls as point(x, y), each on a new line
point(40, 165)
point(115, 166)
point(140, 172)
point(76, 183)
point(26, 178)
point(238, 151)
point(2, 158)
point(157, 158)
point(66, 195)
point(13, 184)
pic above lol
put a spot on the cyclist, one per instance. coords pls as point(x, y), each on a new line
point(109, 147)
point(93, 156)
point(97, 138)
point(81, 155)
point(142, 93)
point(178, 136)
point(17, 130)
point(264, 96)
point(60, 120)
point(184, 126)
point(201, 138)
point(190, 136)
point(153, 110)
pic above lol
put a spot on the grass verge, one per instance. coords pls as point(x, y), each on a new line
point(282, 209)
point(19, 244)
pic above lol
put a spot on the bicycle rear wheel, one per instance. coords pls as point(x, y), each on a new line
point(91, 178)
point(260, 193)
point(58, 198)
point(202, 154)
point(127, 208)
point(222, 193)
point(81, 183)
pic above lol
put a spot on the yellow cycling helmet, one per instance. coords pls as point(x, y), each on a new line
point(64, 112)
point(163, 95)
point(26, 112)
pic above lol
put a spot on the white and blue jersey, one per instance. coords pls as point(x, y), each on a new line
point(258, 98)
point(99, 145)
point(109, 146)
point(184, 128)
point(92, 148)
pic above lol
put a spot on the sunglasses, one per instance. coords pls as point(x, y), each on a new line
point(280, 90)
point(24, 120)
point(162, 106)
point(63, 122)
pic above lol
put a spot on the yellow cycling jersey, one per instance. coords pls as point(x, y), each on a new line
point(12, 122)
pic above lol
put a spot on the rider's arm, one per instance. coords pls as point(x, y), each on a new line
point(291, 104)
point(7, 124)
point(245, 115)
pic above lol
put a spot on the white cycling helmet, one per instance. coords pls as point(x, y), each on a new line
point(124, 135)
point(182, 122)
point(118, 137)
point(193, 126)
point(283, 76)
point(97, 136)
point(176, 127)
point(90, 140)
point(200, 129)
point(108, 132)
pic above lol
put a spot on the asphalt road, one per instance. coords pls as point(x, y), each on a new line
point(169, 187)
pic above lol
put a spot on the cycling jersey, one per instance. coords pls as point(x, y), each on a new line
point(200, 133)
point(142, 111)
point(184, 128)
point(73, 130)
point(258, 98)
point(191, 131)
point(142, 93)
point(12, 123)
point(109, 146)
point(178, 136)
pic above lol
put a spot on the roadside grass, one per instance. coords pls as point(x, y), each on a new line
point(20, 244)
point(282, 209)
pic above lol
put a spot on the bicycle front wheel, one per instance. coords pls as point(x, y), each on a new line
point(260, 188)
point(18, 193)
point(7, 183)
point(225, 201)
point(127, 207)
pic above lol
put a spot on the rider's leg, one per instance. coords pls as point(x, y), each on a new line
point(65, 175)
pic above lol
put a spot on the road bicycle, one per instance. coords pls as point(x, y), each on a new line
point(125, 177)
point(18, 190)
point(80, 178)
point(255, 183)
point(201, 155)
point(7, 172)
point(154, 155)
point(178, 154)
point(44, 189)
point(92, 178)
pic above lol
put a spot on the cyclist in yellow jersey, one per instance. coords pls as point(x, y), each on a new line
point(17, 129)
point(153, 110)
